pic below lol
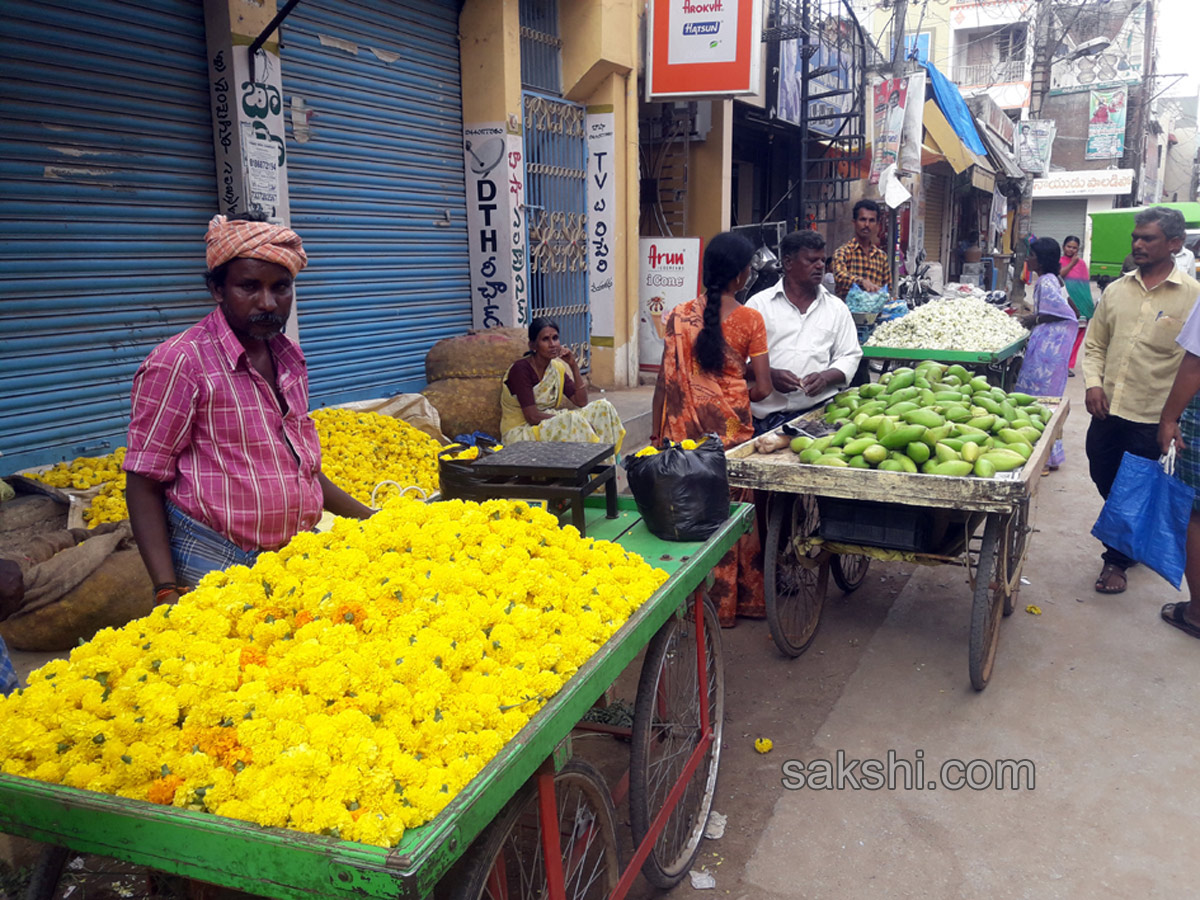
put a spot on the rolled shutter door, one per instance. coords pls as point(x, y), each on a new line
point(1059, 218)
point(376, 190)
point(935, 215)
point(107, 175)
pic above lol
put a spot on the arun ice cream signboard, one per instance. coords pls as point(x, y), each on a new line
point(701, 48)
point(669, 274)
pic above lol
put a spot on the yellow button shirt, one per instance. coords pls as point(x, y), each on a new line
point(1130, 348)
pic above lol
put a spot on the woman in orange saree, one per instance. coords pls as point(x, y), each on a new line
point(702, 389)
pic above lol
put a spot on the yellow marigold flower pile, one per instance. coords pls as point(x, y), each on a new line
point(361, 449)
point(86, 472)
point(350, 684)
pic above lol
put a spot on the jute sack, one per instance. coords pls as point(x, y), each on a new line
point(476, 354)
point(74, 585)
point(465, 405)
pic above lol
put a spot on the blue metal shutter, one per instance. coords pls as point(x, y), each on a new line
point(107, 184)
point(376, 190)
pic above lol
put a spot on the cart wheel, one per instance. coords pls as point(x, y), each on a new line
point(666, 729)
point(988, 602)
point(795, 583)
point(506, 862)
point(1016, 536)
point(849, 571)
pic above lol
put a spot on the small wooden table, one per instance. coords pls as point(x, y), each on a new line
point(553, 470)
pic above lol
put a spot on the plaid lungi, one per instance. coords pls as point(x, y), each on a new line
point(1187, 463)
point(197, 550)
point(8, 676)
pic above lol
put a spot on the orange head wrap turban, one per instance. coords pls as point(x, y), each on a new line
point(229, 239)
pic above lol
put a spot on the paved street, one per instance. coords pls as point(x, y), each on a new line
point(1094, 691)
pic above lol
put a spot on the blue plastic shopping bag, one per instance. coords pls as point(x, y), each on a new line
point(1146, 516)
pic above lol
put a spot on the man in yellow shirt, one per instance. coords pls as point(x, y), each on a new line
point(1131, 357)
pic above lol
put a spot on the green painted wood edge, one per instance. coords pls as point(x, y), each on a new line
point(287, 864)
point(950, 356)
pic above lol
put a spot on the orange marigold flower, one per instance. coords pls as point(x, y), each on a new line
point(252, 656)
point(162, 790)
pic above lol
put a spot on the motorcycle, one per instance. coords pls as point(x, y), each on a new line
point(917, 288)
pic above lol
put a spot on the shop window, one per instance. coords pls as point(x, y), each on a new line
point(541, 46)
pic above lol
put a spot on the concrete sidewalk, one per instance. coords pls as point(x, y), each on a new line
point(1095, 692)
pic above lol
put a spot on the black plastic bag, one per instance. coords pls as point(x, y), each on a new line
point(682, 495)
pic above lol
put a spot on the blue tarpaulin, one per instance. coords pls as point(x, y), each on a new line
point(954, 108)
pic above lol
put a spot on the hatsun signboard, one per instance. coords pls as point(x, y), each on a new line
point(698, 48)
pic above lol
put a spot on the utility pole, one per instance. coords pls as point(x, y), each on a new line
point(1039, 87)
point(899, 70)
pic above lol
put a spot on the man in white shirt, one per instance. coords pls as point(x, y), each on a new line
point(811, 338)
point(1185, 261)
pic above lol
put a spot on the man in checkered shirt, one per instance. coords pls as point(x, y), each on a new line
point(859, 261)
point(223, 459)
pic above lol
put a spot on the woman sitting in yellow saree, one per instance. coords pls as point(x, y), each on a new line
point(537, 388)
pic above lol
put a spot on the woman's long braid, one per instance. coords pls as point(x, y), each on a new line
point(710, 343)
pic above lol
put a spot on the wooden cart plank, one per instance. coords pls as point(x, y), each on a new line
point(287, 864)
point(783, 471)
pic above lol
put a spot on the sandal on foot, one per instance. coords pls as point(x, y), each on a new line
point(1103, 584)
point(1173, 614)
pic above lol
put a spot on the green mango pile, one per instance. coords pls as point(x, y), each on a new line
point(934, 419)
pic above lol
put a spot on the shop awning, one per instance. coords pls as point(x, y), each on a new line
point(943, 140)
point(1002, 156)
point(950, 100)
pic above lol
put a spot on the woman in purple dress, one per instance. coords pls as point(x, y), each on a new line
point(1054, 323)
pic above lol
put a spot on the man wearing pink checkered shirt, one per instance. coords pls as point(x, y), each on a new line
point(223, 459)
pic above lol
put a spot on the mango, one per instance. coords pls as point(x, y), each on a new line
point(954, 443)
point(918, 452)
point(886, 426)
point(871, 424)
point(834, 461)
point(987, 404)
point(926, 417)
point(933, 435)
point(810, 455)
point(982, 423)
point(948, 397)
point(978, 384)
point(955, 468)
point(899, 409)
point(802, 442)
point(971, 451)
point(984, 468)
point(821, 444)
point(1007, 410)
point(843, 434)
point(958, 372)
point(929, 467)
point(902, 435)
point(956, 414)
point(1011, 436)
point(946, 454)
point(857, 462)
point(906, 464)
point(901, 379)
point(909, 393)
point(1003, 460)
point(858, 445)
point(876, 454)
point(1020, 398)
point(891, 465)
point(869, 391)
point(1031, 434)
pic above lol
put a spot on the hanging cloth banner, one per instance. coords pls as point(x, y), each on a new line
point(1106, 124)
point(910, 139)
point(891, 96)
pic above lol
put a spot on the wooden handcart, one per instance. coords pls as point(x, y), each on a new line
point(534, 823)
point(983, 525)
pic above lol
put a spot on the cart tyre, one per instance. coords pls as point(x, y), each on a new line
point(795, 588)
point(1016, 541)
point(46, 872)
point(849, 571)
point(506, 859)
point(672, 733)
point(987, 604)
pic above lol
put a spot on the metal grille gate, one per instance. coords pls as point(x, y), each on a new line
point(556, 217)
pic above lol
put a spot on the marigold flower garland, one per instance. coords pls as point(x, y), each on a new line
point(350, 684)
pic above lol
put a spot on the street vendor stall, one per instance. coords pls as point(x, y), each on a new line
point(834, 515)
point(530, 823)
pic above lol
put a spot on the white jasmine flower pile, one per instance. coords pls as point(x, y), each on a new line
point(952, 323)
